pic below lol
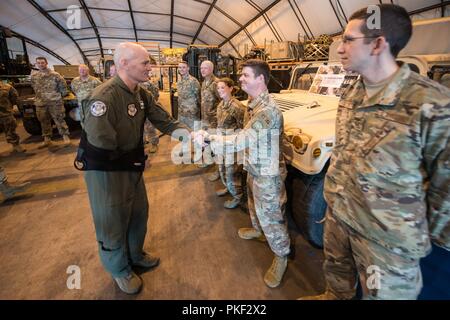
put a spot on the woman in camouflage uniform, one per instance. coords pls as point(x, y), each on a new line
point(230, 117)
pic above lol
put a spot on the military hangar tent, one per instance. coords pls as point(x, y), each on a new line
point(47, 236)
point(233, 25)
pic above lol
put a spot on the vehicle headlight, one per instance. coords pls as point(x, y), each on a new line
point(300, 142)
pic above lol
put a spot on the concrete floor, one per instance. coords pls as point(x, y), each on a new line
point(50, 228)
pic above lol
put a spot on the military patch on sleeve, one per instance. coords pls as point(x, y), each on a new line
point(257, 125)
point(98, 108)
point(132, 110)
point(266, 120)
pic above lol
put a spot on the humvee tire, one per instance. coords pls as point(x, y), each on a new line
point(32, 126)
point(308, 205)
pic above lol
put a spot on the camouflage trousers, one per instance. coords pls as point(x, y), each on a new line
point(56, 112)
point(9, 124)
point(3, 176)
point(231, 179)
point(120, 212)
point(266, 205)
point(189, 121)
point(382, 274)
point(150, 133)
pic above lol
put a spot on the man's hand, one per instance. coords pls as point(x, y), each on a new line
point(200, 138)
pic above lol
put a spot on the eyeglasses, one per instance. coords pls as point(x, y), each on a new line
point(347, 39)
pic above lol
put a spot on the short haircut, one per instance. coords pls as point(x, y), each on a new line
point(208, 63)
point(184, 62)
point(42, 58)
point(229, 82)
point(125, 51)
point(396, 26)
point(259, 67)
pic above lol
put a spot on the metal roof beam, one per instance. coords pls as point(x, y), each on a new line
point(231, 18)
point(38, 45)
point(336, 14)
point(172, 5)
point(204, 21)
point(56, 24)
point(132, 20)
point(267, 19)
point(249, 22)
point(94, 26)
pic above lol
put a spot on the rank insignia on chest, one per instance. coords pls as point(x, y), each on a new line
point(141, 104)
point(132, 110)
point(98, 108)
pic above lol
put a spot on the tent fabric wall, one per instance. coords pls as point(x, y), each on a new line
point(152, 20)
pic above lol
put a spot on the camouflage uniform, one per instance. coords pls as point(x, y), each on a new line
point(50, 88)
point(8, 98)
point(188, 100)
point(261, 139)
point(230, 116)
point(83, 88)
point(210, 100)
point(150, 133)
point(387, 186)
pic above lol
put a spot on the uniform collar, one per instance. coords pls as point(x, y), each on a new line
point(255, 102)
point(117, 80)
point(210, 80)
point(45, 71)
point(389, 95)
point(227, 104)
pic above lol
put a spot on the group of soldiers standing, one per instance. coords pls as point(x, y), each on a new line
point(387, 187)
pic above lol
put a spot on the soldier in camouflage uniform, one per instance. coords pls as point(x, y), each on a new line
point(150, 133)
point(83, 85)
point(230, 117)
point(188, 89)
point(9, 190)
point(387, 187)
point(8, 98)
point(50, 88)
point(209, 101)
point(261, 139)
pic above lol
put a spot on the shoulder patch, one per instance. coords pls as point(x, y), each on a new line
point(257, 125)
point(132, 110)
point(267, 121)
point(98, 108)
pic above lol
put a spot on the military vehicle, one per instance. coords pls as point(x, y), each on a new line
point(27, 107)
point(309, 120)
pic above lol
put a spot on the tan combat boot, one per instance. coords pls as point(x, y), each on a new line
point(152, 148)
point(250, 233)
point(327, 295)
point(231, 204)
point(221, 192)
point(147, 261)
point(66, 140)
point(274, 275)
point(9, 190)
point(18, 148)
point(46, 143)
point(214, 176)
point(130, 284)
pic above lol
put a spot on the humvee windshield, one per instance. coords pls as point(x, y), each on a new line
point(303, 77)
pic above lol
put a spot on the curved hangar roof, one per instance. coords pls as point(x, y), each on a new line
point(234, 25)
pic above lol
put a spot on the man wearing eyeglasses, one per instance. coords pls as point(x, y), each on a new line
point(387, 187)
